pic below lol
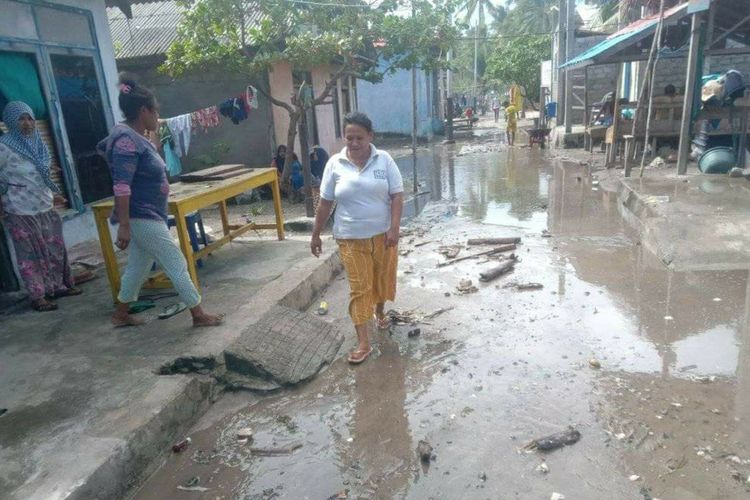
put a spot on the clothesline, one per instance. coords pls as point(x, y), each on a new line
point(175, 132)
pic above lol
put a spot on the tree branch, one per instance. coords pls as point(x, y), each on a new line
point(343, 71)
point(275, 101)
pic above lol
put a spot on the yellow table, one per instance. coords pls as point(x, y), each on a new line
point(185, 198)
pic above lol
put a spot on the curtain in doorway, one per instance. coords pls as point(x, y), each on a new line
point(19, 81)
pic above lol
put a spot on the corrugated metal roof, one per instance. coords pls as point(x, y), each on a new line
point(151, 30)
point(626, 36)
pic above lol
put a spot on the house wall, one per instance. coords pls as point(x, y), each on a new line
point(249, 142)
point(389, 103)
point(326, 113)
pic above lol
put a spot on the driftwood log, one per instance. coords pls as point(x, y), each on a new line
point(494, 241)
point(495, 272)
point(496, 250)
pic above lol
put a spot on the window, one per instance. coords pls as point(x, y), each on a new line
point(61, 26)
point(17, 20)
point(83, 113)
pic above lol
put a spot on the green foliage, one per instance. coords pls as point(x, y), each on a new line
point(518, 60)
point(220, 32)
point(531, 17)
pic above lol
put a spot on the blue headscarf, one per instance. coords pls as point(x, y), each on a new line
point(29, 146)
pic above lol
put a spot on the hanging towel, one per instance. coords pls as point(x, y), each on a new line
point(180, 126)
point(174, 166)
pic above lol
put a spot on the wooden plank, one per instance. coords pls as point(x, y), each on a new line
point(687, 109)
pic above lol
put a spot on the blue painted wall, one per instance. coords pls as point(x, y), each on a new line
point(389, 103)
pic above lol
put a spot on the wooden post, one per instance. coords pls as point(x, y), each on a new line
point(687, 109)
point(610, 159)
point(570, 12)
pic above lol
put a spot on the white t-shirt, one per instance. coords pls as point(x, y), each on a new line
point(363, 198)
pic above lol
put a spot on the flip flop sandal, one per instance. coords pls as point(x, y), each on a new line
point(68, 292)
point(83, 277)
point(158, 296)
point(363, 355)
point(383, 324)
point(140, 306)
point(44, 306)
point(171, 310)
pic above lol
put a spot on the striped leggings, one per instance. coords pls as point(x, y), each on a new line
point(151, 241)
point(371, 268)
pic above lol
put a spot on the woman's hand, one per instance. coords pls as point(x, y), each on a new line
point(59, 199)
point(391, 236)
point(316, 246)
point(123, 237)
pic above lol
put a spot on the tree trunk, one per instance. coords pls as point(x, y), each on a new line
point(291, 135)
point(305, 158)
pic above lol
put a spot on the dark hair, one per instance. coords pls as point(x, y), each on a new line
point(133, 97)
point(506, 103)
point(358, 118)
point(670, 90)
point(278, 150)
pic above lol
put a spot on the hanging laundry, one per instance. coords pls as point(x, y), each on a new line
point(207, 117)
point(234, 109)
point(174, 166)
point(180, 126)
point(251, 97)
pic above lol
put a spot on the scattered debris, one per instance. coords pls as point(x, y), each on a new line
point(200, 489)
point(594, 363)
point(438, 312)
point(494, 241)
point(554, 441)
point(494, 251)
point(466, 286)
point(543, 468)
point(449, 251)
point(287, 421)
point(424, 450)
point(524, 286)
point(413, 333)
point(498, 271)
point(245, 433)
point(193, 481)
point(546, 234)
point(182, 445)
point(323, 308)
point(557, 496)
point(412, 317)
point(275, 452)
point(404, 253)
point(423, 243)
point(3, 411)
point(341, 495)
point(634, 477)
point(657, 162)
point(482, 476)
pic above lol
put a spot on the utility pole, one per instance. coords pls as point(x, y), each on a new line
point(570, 11)
point(414, 118)
point(476, 51)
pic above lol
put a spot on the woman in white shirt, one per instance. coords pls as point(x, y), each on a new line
point(366, 185)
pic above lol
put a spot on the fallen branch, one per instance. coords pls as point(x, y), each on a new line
point(493, 241)
point(275, 452)
point(498, 271)
point(500, 249)
point(438, 312)
point(422, 243)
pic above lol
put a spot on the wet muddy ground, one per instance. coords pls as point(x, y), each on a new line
point(648, 364)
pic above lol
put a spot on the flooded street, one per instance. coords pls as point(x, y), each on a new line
point(650, 365)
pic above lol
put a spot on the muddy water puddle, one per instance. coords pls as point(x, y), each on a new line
point(664, 417)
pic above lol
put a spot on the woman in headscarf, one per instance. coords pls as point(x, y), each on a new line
point(28, 196)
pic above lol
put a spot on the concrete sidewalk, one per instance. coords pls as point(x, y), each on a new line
point(694, 222)
point(87, 412)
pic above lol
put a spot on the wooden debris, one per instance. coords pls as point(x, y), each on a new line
point(498, 271)
point(494, 241)
point(275, 452)
point(558, 440)
point(423, 243)
point(449, 251)
point(525, 286)
point(496, 250)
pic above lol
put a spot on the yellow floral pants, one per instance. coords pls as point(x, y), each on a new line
point(371, 268)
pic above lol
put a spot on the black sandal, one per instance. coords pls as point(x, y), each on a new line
point(43, 305)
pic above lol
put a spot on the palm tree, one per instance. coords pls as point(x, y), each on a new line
point(478, 9)
point(532, 16)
